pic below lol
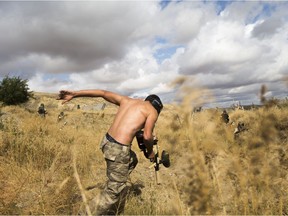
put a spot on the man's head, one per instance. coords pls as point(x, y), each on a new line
point(155, 102)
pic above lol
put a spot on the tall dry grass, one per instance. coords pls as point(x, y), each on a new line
point(212, 171)
point(224, 174)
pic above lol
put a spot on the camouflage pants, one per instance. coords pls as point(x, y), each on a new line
point(120, 161)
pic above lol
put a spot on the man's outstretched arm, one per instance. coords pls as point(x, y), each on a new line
point(67, 95)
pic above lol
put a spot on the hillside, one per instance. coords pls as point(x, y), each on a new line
point(213, 170)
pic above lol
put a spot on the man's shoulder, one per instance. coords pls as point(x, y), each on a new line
point(148, 109)
point(127, 99)
point(136, 103)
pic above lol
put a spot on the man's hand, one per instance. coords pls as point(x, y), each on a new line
point(65, 96)
point(151, 156)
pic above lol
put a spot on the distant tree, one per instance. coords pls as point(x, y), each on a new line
point(14, 90)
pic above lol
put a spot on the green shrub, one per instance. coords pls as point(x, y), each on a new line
point(14, 90)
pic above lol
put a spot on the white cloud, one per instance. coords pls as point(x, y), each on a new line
point(112, 45)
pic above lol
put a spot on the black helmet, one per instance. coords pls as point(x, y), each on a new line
point(155, 101)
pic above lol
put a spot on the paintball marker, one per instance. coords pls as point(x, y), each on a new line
point(163, 159)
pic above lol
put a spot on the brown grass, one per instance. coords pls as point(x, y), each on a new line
point(212, 172)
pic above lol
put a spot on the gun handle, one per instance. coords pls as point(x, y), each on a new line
point(157, 174)
point(157, 177)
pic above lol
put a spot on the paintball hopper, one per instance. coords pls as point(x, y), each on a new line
point(165, 160)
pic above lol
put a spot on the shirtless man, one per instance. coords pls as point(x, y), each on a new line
point(132, 116)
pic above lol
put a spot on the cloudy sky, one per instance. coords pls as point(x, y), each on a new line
point(139, 47)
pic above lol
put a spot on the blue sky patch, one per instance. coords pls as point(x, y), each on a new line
point(267, 11)
point(61, 76)
point(160, 40)
point(221, 5)
point(164, 3)
point(164, 53)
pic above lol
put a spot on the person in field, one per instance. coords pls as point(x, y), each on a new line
point(225, 117)
point(132, 115)
point(42, 111)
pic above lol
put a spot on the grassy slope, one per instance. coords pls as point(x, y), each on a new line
point(211, 171)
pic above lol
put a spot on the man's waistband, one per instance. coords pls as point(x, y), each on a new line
point(111, 139)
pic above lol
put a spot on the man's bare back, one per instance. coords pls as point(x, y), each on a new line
point(131, 117)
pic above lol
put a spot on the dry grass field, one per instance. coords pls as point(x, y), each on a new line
point(48, 166)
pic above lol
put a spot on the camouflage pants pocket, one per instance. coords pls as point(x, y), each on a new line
point(115, 152)
point(117, 172)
